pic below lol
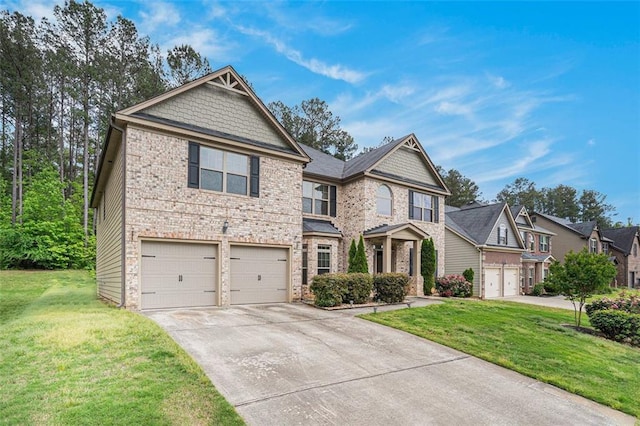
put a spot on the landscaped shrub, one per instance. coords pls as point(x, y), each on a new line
point(390, 287)
point(428, 265)
point(468, 275)
point(328, 289)
point(550, 288)
point(617, 325)
point(538, 290)
point(454, 285)
point(359, 287)
point(624, 302)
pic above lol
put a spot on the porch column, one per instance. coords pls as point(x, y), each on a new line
point(417, 267)
point(386, 255)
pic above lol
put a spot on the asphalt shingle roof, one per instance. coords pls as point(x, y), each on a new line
point(319, 226)
point(476, 223)
point(622, 237)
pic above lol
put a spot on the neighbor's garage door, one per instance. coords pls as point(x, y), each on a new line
point(491, 282)
point(178, 275)
point(259, 274)
point(510, 282)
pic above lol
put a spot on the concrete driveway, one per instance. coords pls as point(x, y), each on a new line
point(292, 364)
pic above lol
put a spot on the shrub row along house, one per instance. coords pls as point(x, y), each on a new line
point(203, 199)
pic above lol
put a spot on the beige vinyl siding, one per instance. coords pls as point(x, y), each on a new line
point(408, 163)
point(109, 235)
point(512, 240)
point(461, 255)
point(216, 108)
point(564, 240)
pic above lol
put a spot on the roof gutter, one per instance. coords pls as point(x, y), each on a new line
point(123, 251)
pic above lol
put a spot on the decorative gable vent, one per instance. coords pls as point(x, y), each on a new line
point(411, 143)
point(228, 81)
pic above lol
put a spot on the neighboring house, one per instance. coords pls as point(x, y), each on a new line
point(625, 247)
point(572, 236)
point(199, 200)
point(537, 258)
point(485, 238)
point(392, 196)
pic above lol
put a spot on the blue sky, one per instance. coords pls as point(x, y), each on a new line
point(498, 90)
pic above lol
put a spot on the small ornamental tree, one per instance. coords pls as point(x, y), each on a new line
point(428, 265)
point(352, 257)
point(468, 274)
point(360, 259)
point(581, 275)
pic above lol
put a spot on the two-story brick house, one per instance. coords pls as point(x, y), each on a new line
point(538, 243)
point(390, 195)
point(199, 200)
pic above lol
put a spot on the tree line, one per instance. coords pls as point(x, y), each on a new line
point(60, 80)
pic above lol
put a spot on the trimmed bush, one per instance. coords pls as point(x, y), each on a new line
point(538, 290)
point(454, 285)
point(328, 289)
point(617, 325)
point(468, 275)
point(359, 287)
point(550, 288)
point(428, 265)
point(630, 304)
point(390, 287)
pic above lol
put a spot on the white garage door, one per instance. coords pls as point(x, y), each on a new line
point(259, 274)
point(491, 282)
point(176, 275)
point(510, 282)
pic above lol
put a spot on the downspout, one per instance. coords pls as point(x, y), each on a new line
point(123, 248)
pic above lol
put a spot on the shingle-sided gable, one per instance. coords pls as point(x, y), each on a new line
point(406, 162)
point(481, 224)
point(213, 107)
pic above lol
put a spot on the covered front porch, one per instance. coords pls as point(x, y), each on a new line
point(396, 248)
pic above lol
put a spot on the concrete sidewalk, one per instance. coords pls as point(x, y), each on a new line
point(290, 364)
point(551, 301)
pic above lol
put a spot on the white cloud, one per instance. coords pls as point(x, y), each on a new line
point(205, 41)
point(591, 142)
point(336, 72)
point(156, 14)
point(451, 108)
point(498, 81)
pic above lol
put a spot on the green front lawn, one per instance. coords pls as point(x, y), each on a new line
point(67, 358)
point(531, 340)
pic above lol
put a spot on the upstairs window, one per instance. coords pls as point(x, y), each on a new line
point(318, 198)
point(593, 245)
point(384, 200)
point(532, 243)
point(605, 248)
point(502, 235)
point(544, 243)
point(423, 207)
point(222, 171)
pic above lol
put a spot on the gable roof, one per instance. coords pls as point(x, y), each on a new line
point(327, 166)
point(476, 223)
point(321, 227)
point(623, 238)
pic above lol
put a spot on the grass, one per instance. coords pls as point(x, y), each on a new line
point(67, 358)
point(531, 340)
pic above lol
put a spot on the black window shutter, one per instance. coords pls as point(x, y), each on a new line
point(410, 204)
point(436, 209)
point(506, 236)
point(254, 185)
point(194, 165)
point(332, 200)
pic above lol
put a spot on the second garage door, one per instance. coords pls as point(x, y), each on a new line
point(491, 282)
point(510, 282)
point(259, 274)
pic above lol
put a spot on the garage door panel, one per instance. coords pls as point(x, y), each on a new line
point(178, 275)
point(259, 274)
point(491, 282)
point(510, 282)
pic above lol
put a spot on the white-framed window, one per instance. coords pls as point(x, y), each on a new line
point(224, 171)
point(532, 242)
point(531, 273)
point(545, 273)
point(544, 243)
point(315, 198)
point(423, 207)
point(503, 238)
point(605, 248)
point(324, 259)
point(384, 200)
point(593, 245)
